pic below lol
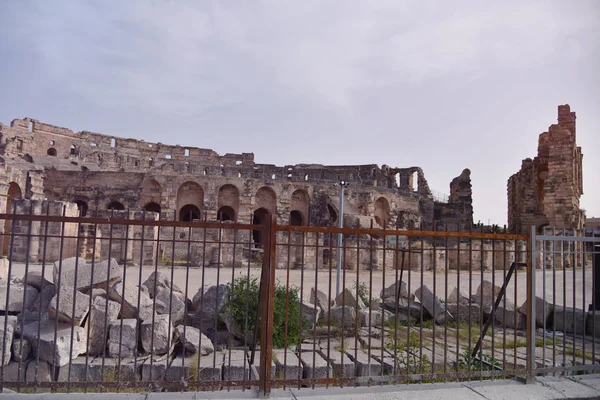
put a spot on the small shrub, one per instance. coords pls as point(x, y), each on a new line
point(241, 306)
point(483, 363)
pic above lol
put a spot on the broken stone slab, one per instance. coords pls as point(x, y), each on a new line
point(465, 313)
point(367, 366)
point(288, 365)
point(193, 341)
point(509, 317)
point(130, 296)
point(20, 297)
point(162, 281)
point(157, 335)
point(314, 366)
point(100, 274)
point(208, 305)
point(113, 370)
point(254, 373)
point(310, 313)
point(343, 316)
point(44, 298)
point(196, 369)
point(102, 314)
point(406, 307)
point(320, 299)
point(7, 333)
point(69, 307)
point(569, 320)
point(39, 372)
point(78, 370)
point(375, 317)
point(459, 297)
point(433, 305)
point(36, 279)
point(154, 370)
point(486, 296)
point(21, 348)
point(170, 304)
point(349, 299)
point(342, 366)
point(392, 291)
point(122, 338)
point(15, 371)
point(235, 366)
point(70, 341)
point(543, 312)
point(592, 323)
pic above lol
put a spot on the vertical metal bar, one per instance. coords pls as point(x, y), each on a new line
point(340, 237)
point(266, 337)
point(29, 226)
point(58, 285)
point(531, 266)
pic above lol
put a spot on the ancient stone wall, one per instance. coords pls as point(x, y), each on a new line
point(547, 189)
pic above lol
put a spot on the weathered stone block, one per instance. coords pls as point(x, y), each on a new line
point(130, 296)
point(45, 297)
point(349, 298)
point(15, 371)
point(154, 371)
point(315, 368)
point(367, 366)
point(171, 305)
point(36, 279)
point(343, 317)
point(392, 291)
point(509, 317)
point(321, 300)
point(162, 281)
point(122, 341)
point(102, 314)
point(11, 324)
point(59, 351)
point(100, 274)
point(465, 313)
point(21, 297)
point(592, 323)
point(433, 305)
point(39, 372)
point(569, 320)
point(341, 364)
point(193, 341)
point(458, 296)
point(208, 305)
point(543, 312)
point(196, 369)
point(310, 313)
point(21, 348)
point(287, 364)
point(157, 335)
point(374, 317)
point(69, 306)
point(235, 366)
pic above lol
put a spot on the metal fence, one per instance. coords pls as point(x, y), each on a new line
point(125, 301)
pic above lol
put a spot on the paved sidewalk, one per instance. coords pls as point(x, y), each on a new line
point(547, 388)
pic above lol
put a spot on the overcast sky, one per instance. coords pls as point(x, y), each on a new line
point(444, 85)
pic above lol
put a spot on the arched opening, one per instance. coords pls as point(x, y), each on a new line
point(382, 212)
point(414, 182)
point(228, 202)
point(333, 216)
point(82, 207)
point(266, 198)
point(28, 158)
point(226, 213)
point(73, 150)
point(14, 192)
point(115, 205)
point(190, 193)
point(258, 218)
point(152, 207)
point(397, 180)
point(188, 213)
point(51, 152)
point(541, 182)
point(296, 218)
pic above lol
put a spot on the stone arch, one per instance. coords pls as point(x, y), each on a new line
point(82, 206)
point(151, 192)
point(259, 217)
point(152, 207)
point(333, 214)
point(51, 152)
point(382, 212)
point(190, 194)
point(267, 199)
point(228, 202)
point(14, 192)
point(115, 205)
point(299, 206)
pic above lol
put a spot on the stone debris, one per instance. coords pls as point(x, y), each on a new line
point(20, 297)
point(102, 314)
point(36, 279)
point(433, 305)
point(459, 297)
point(44, 298)
point(70, 341)
point(122, 338)
point(69, 306)
point(100, 274)
point(208, 305)
point(543, 312)
point(392, 291)
point(466, 313)
point(129, 298)
point(168, 303)
point(11, 324)
point(321, 300)
point(486, 296)
point(343, 316)
point(193, 341)
point(39, 372)
point(311, 313)
point(156, 335)
point(21, 348)
point(162, 281)
point(569, 320)
point(349, 299)
point(374, 317)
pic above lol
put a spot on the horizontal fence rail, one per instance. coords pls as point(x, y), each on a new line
point(123, 301)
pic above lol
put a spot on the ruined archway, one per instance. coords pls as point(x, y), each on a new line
point(228, 202)
point(152, 207)
point(82, 207)
point(259, 217)
point(115, 205)
point(51, 152)
point(226, 213)
point(14, 192)
point(151, 193)
point(267, 199)
point(333, 215)
point(189, 213)
point(299, 208)
point(190, 194)
point(382, 212)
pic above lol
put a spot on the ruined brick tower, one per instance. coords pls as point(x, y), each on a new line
point(547, 189)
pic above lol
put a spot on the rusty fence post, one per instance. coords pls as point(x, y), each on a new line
point(531, 266)
point(267, 300)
